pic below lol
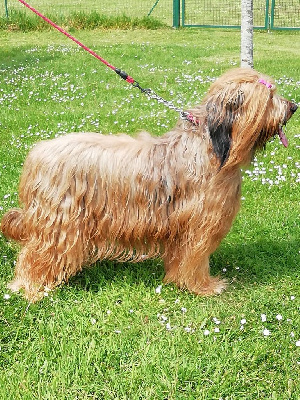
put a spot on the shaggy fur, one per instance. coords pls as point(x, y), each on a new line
point(88, 196)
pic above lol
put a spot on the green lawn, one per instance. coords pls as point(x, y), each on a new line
point(112, 332)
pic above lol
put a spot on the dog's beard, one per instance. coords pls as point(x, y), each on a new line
point(265, 137)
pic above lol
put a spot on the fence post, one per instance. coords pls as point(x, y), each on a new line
point(176, 13)
point(6, 8)
point(267, 15)
point(272, 14)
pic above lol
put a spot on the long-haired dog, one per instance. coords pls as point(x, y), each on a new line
point(88, 196)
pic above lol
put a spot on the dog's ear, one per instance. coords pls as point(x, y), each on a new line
point(220, 116)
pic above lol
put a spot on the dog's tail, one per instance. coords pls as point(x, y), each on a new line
point(12, 224)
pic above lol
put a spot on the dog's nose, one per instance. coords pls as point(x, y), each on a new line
point(293, 107)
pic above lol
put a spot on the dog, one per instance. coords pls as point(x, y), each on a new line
point(87, 196)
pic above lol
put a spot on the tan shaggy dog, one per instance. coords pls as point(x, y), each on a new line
point(88, 196)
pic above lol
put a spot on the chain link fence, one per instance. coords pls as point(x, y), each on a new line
point(220, 14)
point(285, 14)
point(274, 14)
point(161, 9)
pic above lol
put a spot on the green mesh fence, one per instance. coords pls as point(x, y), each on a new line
point(220, 13)
point(161, 9)
point(285, 14)
point(274, 14)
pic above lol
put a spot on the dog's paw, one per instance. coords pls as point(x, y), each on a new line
point(15, 285)
point(214, 286)
point(30, 293)
point(219, 286)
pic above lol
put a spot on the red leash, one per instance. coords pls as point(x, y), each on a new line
point(123, 74)
point(184, 115)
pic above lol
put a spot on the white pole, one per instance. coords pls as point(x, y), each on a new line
point(247, 33)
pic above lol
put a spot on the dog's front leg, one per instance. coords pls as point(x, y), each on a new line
point(188, 268)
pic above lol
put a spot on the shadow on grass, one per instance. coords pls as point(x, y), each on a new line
point(104, 273)
point(260, 262)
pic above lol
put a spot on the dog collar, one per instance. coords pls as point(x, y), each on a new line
point(187, 116)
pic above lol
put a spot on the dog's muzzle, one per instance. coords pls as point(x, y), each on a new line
point(291, 110)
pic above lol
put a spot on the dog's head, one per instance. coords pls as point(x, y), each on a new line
point(243, 112)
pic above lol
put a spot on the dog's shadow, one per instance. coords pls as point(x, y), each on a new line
point(260, 262)
point(104, 274)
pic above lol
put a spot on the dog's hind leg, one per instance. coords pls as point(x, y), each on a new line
point(25, 275)
point(47, 259)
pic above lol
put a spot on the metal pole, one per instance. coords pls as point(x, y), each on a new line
point(149, 13)
point(267, 16)
point(176, 13)
point(272, 14)
point(6, 8)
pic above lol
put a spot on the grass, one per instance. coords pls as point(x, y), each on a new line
point(112, 332)
point(22, 21)
point(132, 7)
point(110, 9)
